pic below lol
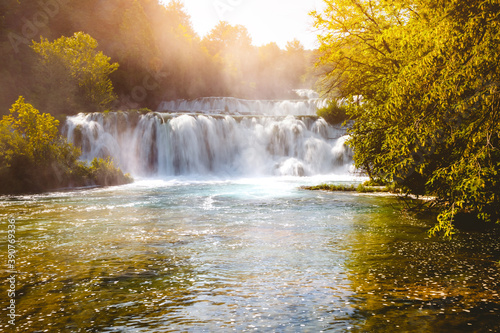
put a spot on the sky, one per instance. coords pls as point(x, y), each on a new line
point(266, 20)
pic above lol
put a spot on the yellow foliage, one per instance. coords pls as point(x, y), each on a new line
point(38, 130)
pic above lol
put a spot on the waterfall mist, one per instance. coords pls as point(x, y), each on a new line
point(217, 136)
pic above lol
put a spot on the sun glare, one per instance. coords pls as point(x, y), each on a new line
point(277, 21)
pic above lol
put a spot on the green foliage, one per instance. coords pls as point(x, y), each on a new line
point(104, 172)
point(357, 44)
point(28, 131)
point(429, 76)
point(33, 158)
point(376, 182)
point(74, 64)
point(330, 187)
point(231, 49)
point(160, 55)
point(225, 36)
point(11, 143)
point(38, 130)
point(361, 188)
point(333, 113)
point(246, 71)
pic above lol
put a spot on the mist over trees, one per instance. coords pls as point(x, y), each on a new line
point(72, 67)
point(63, 57)
point(160, 56)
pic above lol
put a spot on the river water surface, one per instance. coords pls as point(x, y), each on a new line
point(241, 255)
point(224, 240)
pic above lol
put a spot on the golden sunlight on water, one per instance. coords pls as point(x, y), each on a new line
point(243, 256)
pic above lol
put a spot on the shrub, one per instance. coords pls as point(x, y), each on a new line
point(103, 172)
point(34, 158)
point(333, 113)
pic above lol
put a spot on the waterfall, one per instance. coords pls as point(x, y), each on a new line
point(165, 144)
point(307, 93)
point(235, 106)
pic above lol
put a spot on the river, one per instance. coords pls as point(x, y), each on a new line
point(224, 247)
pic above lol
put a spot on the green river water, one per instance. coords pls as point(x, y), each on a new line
point(241, 255)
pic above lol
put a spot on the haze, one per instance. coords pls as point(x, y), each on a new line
point(277, 21)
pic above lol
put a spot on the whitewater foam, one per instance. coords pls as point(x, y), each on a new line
point(163, 145)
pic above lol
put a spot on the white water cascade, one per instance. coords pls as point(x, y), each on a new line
point(235, 106)
point(160, 144)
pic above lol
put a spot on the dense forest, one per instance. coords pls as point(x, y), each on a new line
point(428, 120)
point(153, 50)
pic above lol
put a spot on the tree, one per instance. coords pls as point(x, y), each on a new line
point(160, 55)
point(31, 155)
point(232, 51)
point(428, 74)
point(141, 54)
point(185, 61)
point(271, 70)
point(37, 130)
point(358, 57)
point(358, 44)
point(225, 36)
point(34, 158)
point(296, 64)
point(74, 65)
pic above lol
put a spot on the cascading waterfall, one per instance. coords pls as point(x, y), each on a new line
point(234, 106)
point(307, 93)
point(165, 144)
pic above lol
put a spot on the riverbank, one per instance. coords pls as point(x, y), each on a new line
point(364, 188)
point(361, 188)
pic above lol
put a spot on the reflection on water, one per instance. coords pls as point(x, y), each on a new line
point(427, 285)
point(242, 256)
